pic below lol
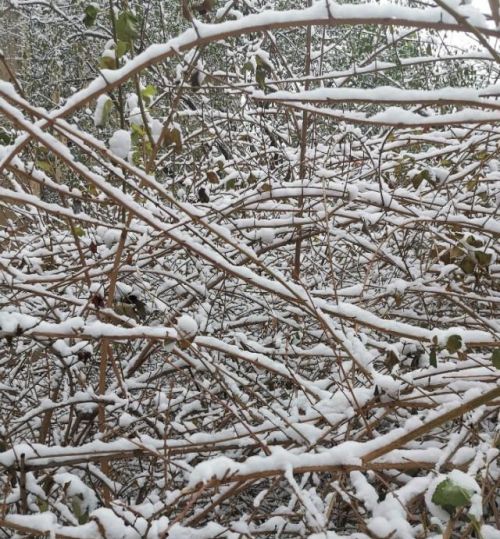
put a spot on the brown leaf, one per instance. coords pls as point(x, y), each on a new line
point(212, 177)
point(495, 10)
point(173, 136)
point(185, 11)
point(204, 7)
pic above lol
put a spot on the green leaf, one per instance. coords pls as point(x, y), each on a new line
point(401, 170)
point(137, 130)
point(471, 240)
point(454, 343)
point(248, 66)
point(91, 12)
point(5, 138)
point(495, 358)
point(78, 230)
point(107, 61)
point(137, 158)
point(46, 166)
point(127, 26)
point(83, 518)
point(260, 77)
point(476, 525)
point(106, 110)
point(147, 148)
point(471, 185)
point(449, 495)
point(121, 48)
point(148, 93)
point(43, 505)
point(446, 163)
point(420, 177)
point(483, 259)
point(75, 505)
point(263, 64)
point(467, 265)
point(482, 155)
point(137, 133)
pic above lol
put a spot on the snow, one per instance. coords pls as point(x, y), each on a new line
point(400, 117)
point(380, 527)
point(266, 235)
point(488, 532)
point(208, 531)
point(285, 370)
point(111, 237)
point(120, 143)
point(44, 521)
point(113, 526)
point(12, 322)
point(186, 326)
point(75, 487)
point(156, 129)
point(99, 113)
point(319, 12)
point(381, 94)
point(364, 491)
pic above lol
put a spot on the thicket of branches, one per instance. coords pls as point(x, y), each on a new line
point(249, 277)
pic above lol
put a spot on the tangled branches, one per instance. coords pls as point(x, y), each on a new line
point(266, 309)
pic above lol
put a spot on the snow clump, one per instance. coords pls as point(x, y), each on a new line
point(120, 143)
point(186, 327)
